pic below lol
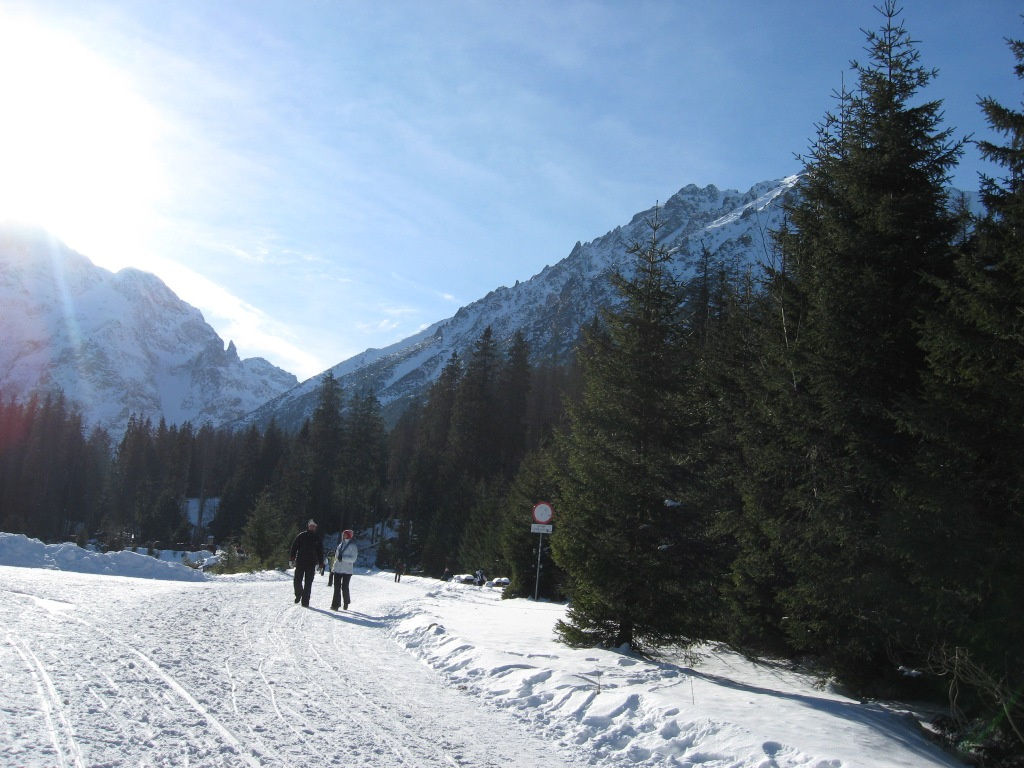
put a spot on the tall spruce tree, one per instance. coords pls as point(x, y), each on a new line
point(326, 444)
point(132, 482)
point(474, 442)
point(513, 394)
point(427, 496)
point(402, 450)
point(971, 419)
point(294, 478)
point(363, 473)
point(497, 391)
point(240, 492)
point(870, 222)
point(267, 534)
point(628, 546)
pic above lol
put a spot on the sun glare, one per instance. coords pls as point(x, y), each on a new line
point(77, 146)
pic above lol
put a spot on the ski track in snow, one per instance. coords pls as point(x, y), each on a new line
point(214, 674)
point(51, 704)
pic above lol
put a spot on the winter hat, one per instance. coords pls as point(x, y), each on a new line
point(311, 524)
point(347, 534)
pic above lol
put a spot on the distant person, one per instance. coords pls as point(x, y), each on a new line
point(344, 563)
point(306, 554)
point(399, 570)
point(479, 578)
point(447, 575)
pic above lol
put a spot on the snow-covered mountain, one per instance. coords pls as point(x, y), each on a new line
point(116, 344)
point(551, 307)
point(122, 344)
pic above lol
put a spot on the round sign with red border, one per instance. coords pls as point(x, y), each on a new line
point(542, 513)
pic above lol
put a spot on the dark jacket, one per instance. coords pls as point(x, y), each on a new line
point(307, 549)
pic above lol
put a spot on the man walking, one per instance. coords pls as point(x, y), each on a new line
point(306, 553)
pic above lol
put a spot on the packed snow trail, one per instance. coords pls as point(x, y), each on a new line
point(132, 672)
point(169, 667)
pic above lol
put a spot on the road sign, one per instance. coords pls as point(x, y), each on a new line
point(542, 513)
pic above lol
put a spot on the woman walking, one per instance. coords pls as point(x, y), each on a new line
point(344, 563)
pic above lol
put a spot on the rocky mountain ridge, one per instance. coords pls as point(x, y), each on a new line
point(551, 307)
point(122, 344)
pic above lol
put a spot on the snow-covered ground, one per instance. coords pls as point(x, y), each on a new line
point(124, 660)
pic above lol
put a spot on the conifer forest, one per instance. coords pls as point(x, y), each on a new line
point(817, 458)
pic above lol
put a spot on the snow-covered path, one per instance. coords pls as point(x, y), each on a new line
point(115, 671)
point(120, 659)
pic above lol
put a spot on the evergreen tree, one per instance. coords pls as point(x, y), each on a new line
point(94, 475)
point(266, 534)
point(166, 521)
point(628, 549)
point(551, 386)
point(203, 474)
point(50, 474)
point(871, 220)
point(535, 482)
point(294, 479)
point(133, 482)
point(480, 534)
point(238, 498)
point(755, 463)
point(512, 394)
point(428, 503)
point(485, 445)
point(363, 473)
point(326, 444)
point(473, 439)
point(401, 453)
point(49, 447)
point(970, 489)
point(273, 449)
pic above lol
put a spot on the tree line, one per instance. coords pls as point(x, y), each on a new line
point(822, 457)
point(817, 457)
point(434, 477)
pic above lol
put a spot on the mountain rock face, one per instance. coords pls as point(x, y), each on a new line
point(123, 344)
point(116, 344)
point(551, 307)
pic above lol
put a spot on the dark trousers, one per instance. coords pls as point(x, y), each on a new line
point(341, 581)
point(304, 582)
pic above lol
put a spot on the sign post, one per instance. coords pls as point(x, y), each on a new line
point(542, 515)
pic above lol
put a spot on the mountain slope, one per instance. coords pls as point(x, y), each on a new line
point(116, 344)
point(551, 307)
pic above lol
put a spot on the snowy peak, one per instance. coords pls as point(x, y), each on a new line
point(123, 344)
point(551, 307)
point(116, 344)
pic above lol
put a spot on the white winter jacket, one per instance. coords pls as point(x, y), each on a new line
point(345, 557)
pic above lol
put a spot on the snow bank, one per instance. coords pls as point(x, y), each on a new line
point(711, 708)
point(21, 551)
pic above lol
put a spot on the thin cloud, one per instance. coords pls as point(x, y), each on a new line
point(331, 162)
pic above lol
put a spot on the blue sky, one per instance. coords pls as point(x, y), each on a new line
point(324, 176)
